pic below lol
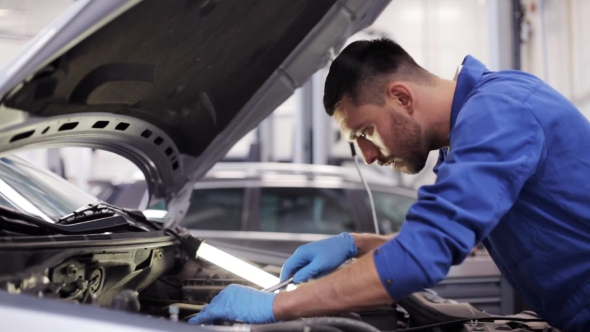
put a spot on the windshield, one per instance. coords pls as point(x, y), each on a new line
point(35, 191)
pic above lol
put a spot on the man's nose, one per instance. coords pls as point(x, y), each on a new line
point(370, 151)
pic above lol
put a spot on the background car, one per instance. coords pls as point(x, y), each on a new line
point(282, 206)
point(271, 201)
point(264, 211)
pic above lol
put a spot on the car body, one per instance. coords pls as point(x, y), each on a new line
point(265, 211)
point(171, 85)
point(279, 206)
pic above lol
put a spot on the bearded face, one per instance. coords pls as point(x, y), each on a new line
point(384, 135)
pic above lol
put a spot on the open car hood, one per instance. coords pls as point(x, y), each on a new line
point(170, 84)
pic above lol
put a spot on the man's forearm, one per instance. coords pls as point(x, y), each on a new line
point(366, 242)
point(354, 287)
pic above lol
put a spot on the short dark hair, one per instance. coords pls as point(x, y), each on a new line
point(360, 68)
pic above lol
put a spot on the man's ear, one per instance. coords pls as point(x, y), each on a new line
point(402, 95)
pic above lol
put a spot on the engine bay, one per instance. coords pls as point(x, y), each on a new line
point(152, 275)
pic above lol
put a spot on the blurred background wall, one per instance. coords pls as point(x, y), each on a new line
point(552, 42)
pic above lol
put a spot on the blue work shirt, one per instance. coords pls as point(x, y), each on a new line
point(516, 176)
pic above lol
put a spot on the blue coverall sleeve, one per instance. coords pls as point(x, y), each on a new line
point(495, 147)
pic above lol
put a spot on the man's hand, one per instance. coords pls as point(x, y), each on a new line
point(319, 258)
point(238, 303)
point(355, 287)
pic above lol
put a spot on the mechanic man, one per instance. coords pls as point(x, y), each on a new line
point(513, 172)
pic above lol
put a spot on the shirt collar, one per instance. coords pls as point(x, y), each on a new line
point(468, 75)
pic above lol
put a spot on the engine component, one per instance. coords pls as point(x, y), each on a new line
point(173, 311)
point(204, 290)
point(490, 327)
point(183, 310)
point(126, 300)
point(317, 324)
point(87, 274)
point(508, 327)
point(383, 318)
point(429, 310)
point(426, 308)
point(96, 281)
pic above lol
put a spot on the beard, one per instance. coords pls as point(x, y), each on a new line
point(410, 154)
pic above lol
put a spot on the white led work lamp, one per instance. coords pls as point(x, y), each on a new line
point(236, 266)
point(199, 249)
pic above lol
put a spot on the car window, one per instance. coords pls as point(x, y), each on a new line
point(6, 203)
point(51, 194)
point(305, 210)
point(391, 210)
point(215, 209)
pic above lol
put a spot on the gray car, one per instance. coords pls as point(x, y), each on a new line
point(281, 206)
point(171, 85)
point(270, 209)
point(264, 211)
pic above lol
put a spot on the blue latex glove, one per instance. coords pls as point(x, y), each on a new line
point(319, 258)
point(238, 303)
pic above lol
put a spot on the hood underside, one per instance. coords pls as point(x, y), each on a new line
point(176, 80)
point(186, 66)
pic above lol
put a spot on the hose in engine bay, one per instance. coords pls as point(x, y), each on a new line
point(324, 324)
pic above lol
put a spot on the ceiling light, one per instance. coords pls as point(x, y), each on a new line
point(5, 12)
